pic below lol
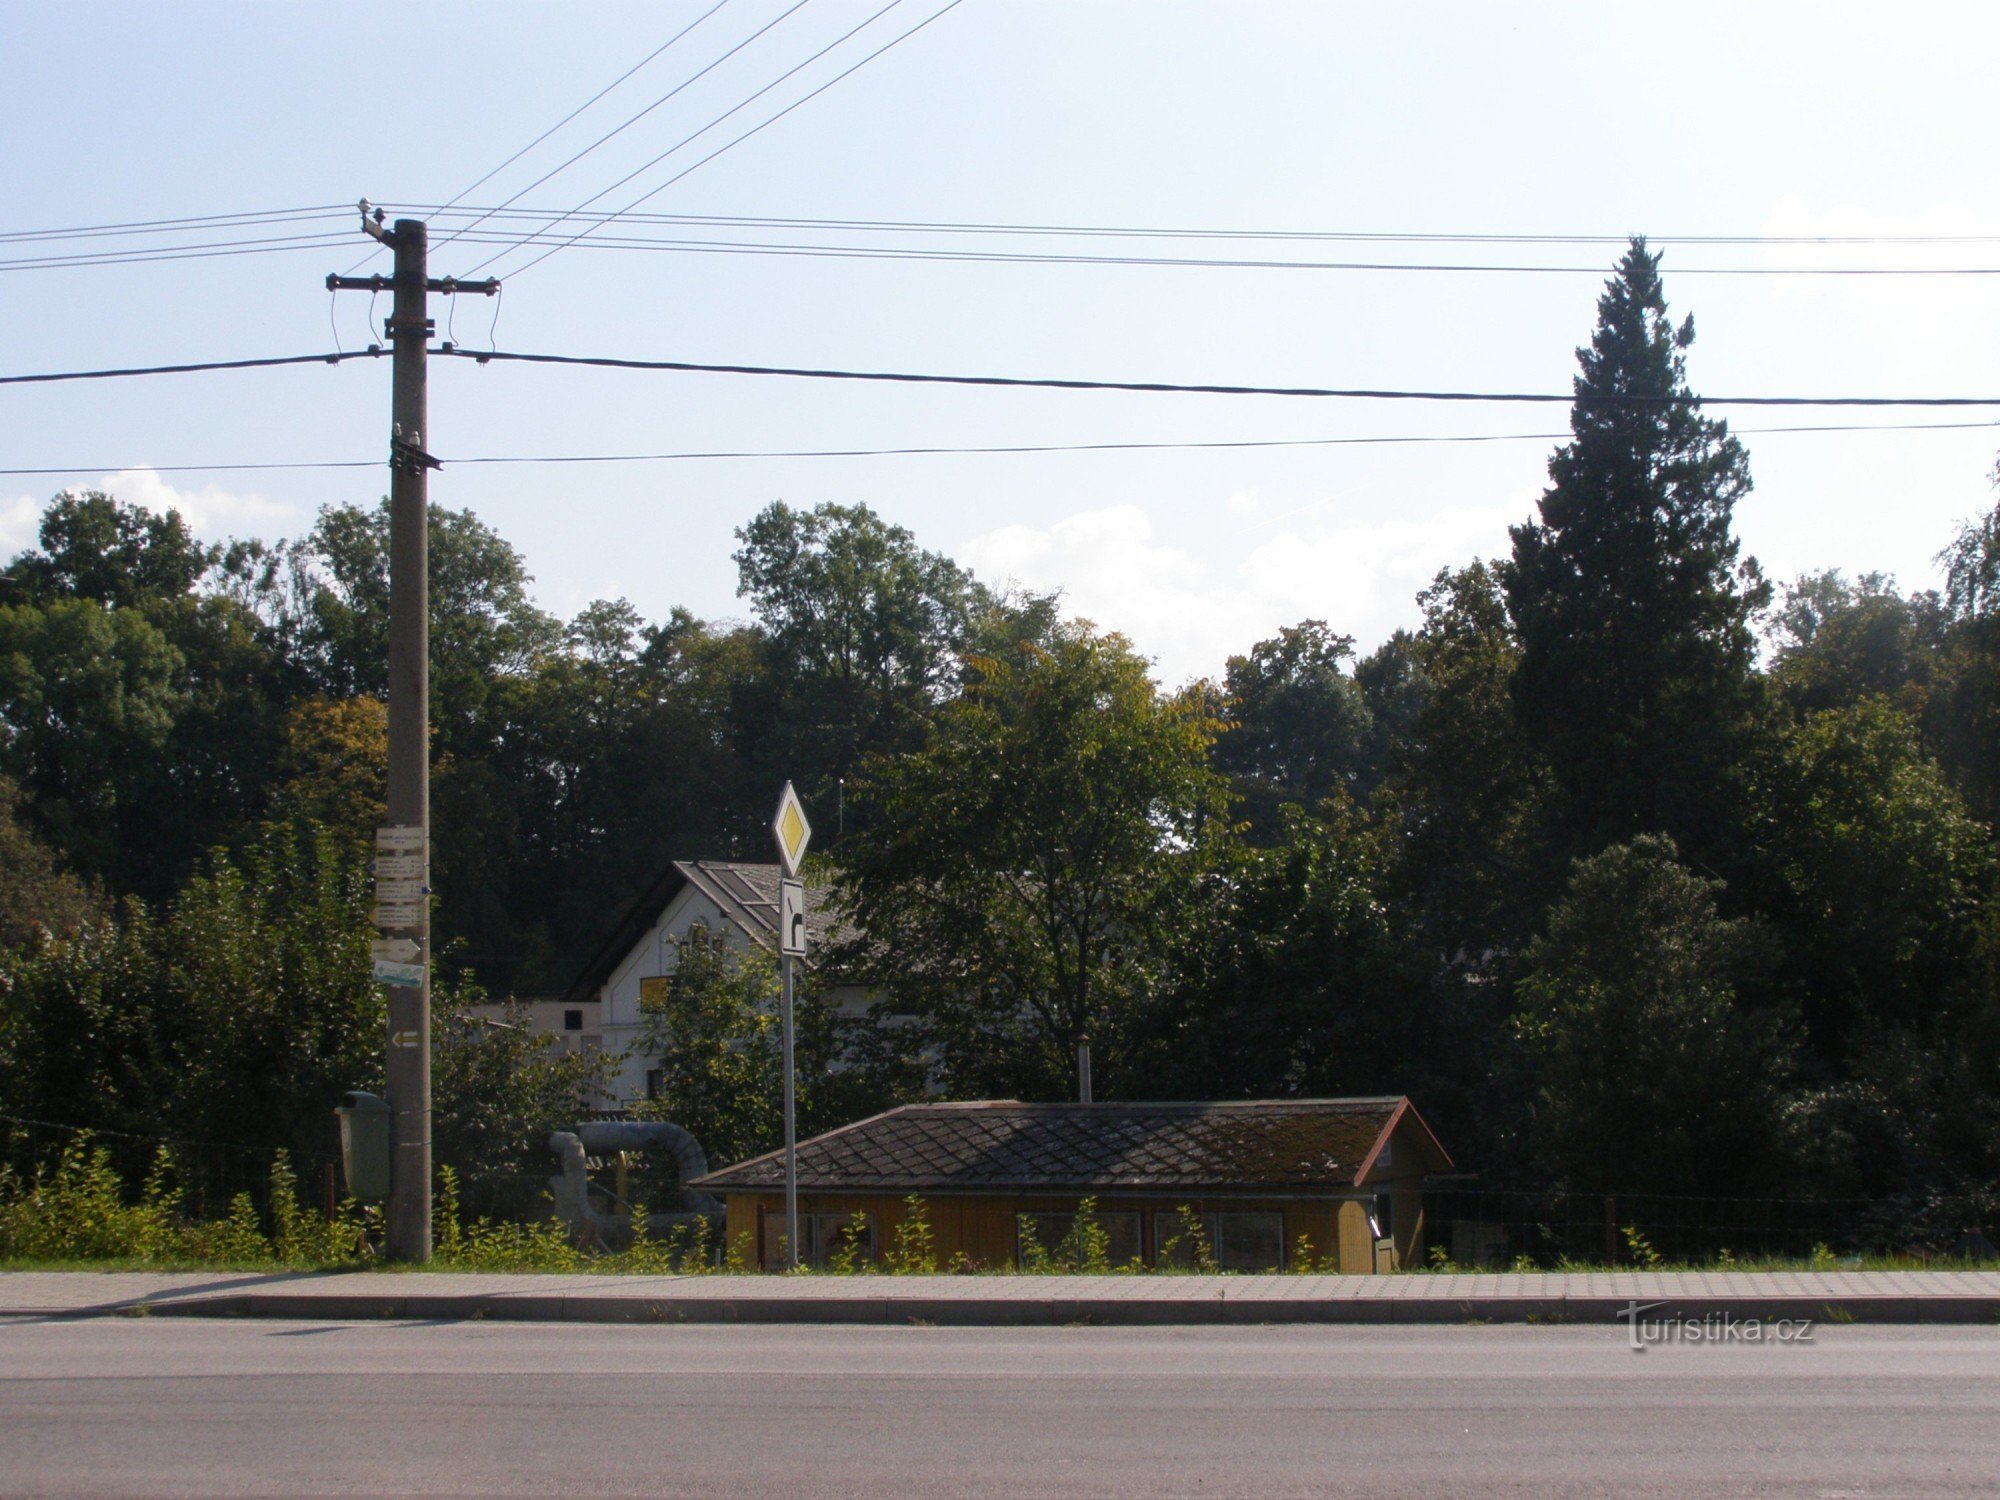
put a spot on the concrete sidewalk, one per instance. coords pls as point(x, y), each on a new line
point(1863, 1296)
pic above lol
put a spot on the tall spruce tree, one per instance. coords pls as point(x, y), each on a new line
point(1634, 612)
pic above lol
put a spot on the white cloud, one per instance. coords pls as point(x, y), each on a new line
point(210, 512)
point(19, 519)
point(1190, 613)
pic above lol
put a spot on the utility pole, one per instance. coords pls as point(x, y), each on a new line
point(402, 867)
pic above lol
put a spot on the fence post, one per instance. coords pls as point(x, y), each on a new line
point(1610, 1230)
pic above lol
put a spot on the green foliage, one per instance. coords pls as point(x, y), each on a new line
point(39, 899)
point(912, 1247)
point(1639, 1250)
point(862, 630)
point(1643, 1067)
point(75, 1208)
point(240, 1013)
point(1301, 728)
point(497, 1091)
point(1185, 1247)
point(716, 1036)
point(1027, 866)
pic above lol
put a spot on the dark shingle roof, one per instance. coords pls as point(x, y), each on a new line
point(1272, 1145)
point(746, 893)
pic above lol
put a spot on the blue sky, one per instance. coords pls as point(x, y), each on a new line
point(1530, 119)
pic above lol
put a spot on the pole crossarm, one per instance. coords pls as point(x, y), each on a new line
point(448, 285)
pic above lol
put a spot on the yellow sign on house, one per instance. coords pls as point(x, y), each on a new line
point(791, 830)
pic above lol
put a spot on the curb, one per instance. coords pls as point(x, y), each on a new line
point(1035, 1312)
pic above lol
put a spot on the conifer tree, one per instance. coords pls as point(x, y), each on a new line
point(1634, 612)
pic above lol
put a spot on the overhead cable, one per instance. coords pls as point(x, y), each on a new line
point(947, 451)
point(1020, 382)
point(731, 145)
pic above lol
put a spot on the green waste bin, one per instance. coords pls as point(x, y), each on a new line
point(364, 1146)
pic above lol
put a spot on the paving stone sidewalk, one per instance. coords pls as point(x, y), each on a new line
point(1969, 1297)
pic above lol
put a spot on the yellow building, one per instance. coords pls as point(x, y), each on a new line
point(1257, 1183)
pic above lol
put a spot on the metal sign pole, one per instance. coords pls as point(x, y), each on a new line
point(792, 833)
point(791, 1130)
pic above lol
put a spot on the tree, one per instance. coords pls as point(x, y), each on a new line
point(1963, 711)
point(484, 627)
point(1633, 610)
point(1835, 642)
point(87, 699)
point(1645, 1073)
point(40, 901)
point(101, 549)
point(1466, 803)
point(715, 1033)
point(237, 1013)
point(863, 630)
point(1301, 730)
point(1874, 872)
point(497, 1092)
point(1022, 869)
point(1291, 977)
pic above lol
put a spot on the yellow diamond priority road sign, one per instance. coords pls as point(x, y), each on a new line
point(791, 830)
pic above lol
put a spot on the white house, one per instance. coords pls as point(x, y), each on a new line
point(737, 901)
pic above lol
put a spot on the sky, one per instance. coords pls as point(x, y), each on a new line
point(1720, 120)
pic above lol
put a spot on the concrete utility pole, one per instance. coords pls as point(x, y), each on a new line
point(402, 913)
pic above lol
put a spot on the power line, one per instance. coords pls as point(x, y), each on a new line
point(1175, 388)
point(676, 89)
point(621, 129)
point(459, 196)
point(207, 250)
point(754, 129)
point(941, 450)
point(181, 226)
point(1103, 231)
point(188, 369)
point(1019, 382)
point(1002, 257)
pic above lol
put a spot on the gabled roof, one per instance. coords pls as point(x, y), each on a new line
point(1266, 1145)
point(747, 894)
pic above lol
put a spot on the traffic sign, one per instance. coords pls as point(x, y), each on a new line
point(791, 830)
point(404, 1039)
point(792, 918)
point(402, 838)
point(406, 976)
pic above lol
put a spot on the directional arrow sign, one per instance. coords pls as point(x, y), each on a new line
point(792, 918)
point(395, 950)
point(397, 867)
point(791, 830)
point(403, 838)
point(399, 917)
point(404, 1039)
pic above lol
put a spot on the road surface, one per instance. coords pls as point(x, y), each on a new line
point(186, 1407)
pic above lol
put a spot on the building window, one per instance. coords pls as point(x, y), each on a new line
point(1383, 1219)
point(572, 1020)
point(1054, 1235)
point(656, 1082)
point(826, 1240)
point(1237, 1241)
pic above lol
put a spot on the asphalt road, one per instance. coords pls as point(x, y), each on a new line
point(184, 1406)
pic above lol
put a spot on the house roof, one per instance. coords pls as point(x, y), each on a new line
point(1284, 1145)
point(746, 894)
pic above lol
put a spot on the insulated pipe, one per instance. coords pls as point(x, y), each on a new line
point(600, 1137)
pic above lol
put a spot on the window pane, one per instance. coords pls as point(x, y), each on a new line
point(1173, 1243)
point(1251, 1242)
